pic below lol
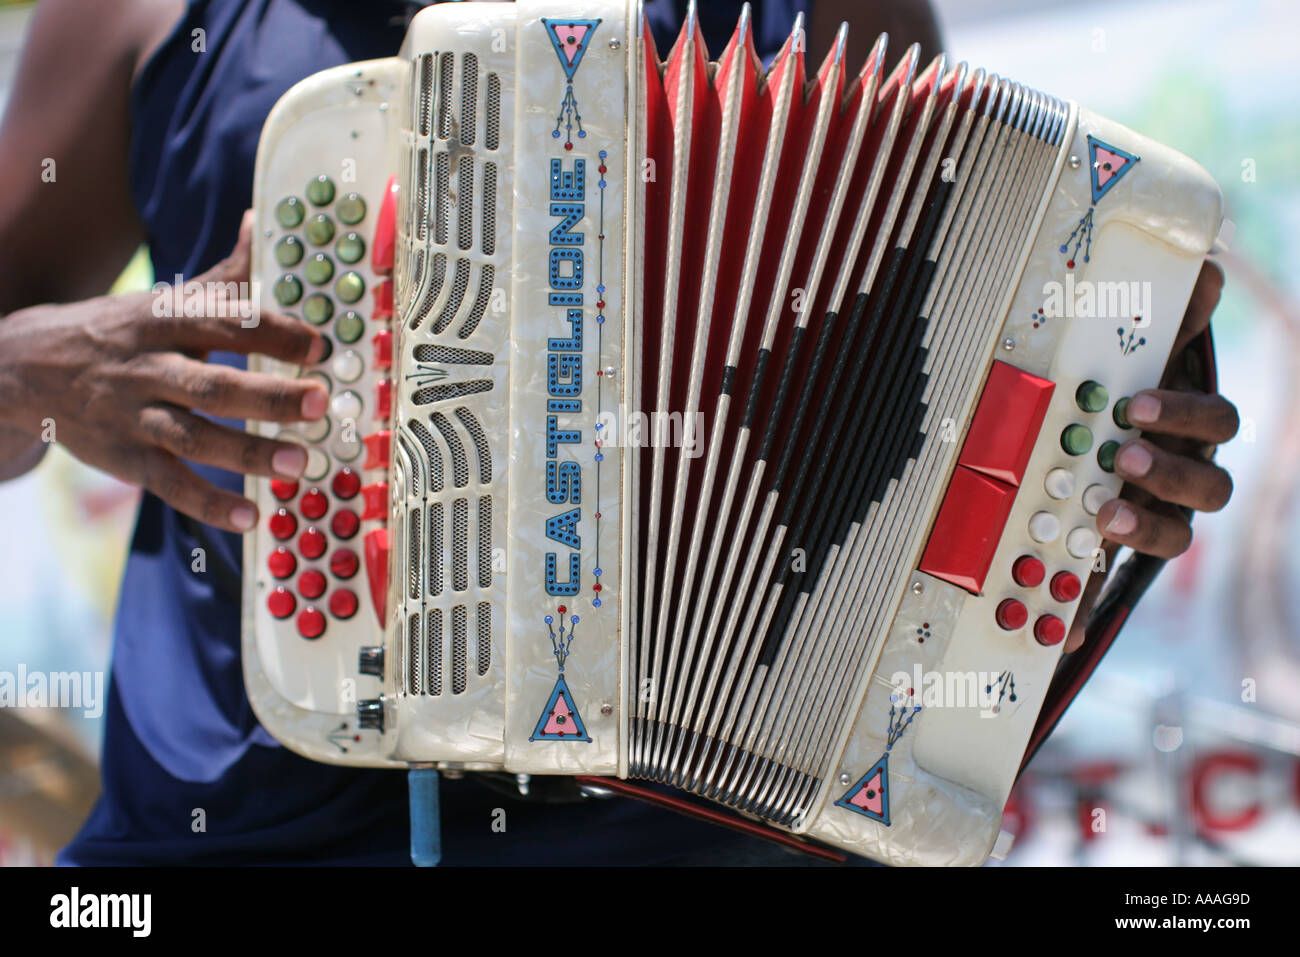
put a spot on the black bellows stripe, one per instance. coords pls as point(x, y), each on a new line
point(751, 404)
point(883, 415)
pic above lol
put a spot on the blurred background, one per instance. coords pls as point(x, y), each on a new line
point(1185, 747)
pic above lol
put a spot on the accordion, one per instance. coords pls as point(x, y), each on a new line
point(738, 429)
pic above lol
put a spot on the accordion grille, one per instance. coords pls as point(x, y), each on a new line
point(443, 426)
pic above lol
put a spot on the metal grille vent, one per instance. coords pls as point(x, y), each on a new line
point(441, 393)
point(485, 276)
point(435, 549)
point(469, 99)
point(460, 544)
point(442, 186)
point(458, 285)
point(426, 92)
point(433, 634)
point(485, 542)
point(465, 202)
point(492, 138)
point(446, 67)
point(413, 654)
point(459, 649)
point(489, 208)
point(452, 356)
point(413, 554)
point(484, 637)
point(479, 437)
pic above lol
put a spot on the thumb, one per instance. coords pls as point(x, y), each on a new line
point(234, 268)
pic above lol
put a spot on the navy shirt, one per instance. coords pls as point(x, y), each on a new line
point(189, 776)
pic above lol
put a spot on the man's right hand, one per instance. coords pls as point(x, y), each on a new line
point(123, 386)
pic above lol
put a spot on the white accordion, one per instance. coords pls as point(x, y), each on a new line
point(736, 429)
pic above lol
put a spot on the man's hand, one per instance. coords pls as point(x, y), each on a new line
point(1166, 466)
point(123, 387)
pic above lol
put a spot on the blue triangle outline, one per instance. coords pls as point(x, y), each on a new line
point(1133, 160)
point(580, 730)
point(569, 69)
point(883, 767)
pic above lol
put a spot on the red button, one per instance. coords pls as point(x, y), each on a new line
point(314, 504)
point(344, 524)
point(385, 241)
point(343, 603)
point(281, 602)
point(344, 563)
point(376, 501)
point(1011, 614)
point(283, 490)
point(281, 562)
point(1006, 423)
point(346, 483)
point(311, 623)
point(377, 446)
point(383, 308)
point(311, 584)
point(1049, 630)
point(968, 528)
point(383, 349)
point(1028, 571)
point(383, 399)
point(312, 543)
point(376, 552)
point(282, 524)
point(1065, 586)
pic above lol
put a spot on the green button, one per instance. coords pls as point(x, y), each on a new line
point(288, 251)
point(289, 212)
point(349, 328)
point(319, 269)
point(317, 308)
point(320, 230)
point(350, 287)
point(1076, 439)
point(1091, 396)
point(320, 191)
point(351, 209)
point(1106, 455)
point(1120, 414)
point(288, 290)
point(350, 248)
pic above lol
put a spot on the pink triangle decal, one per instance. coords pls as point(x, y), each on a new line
point(569, 37)
point(871, 797)
point(1109, 165)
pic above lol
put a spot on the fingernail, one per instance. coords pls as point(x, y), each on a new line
point(289, 462)
point(317, 350)
point(1133, 460)
point(314, 404)
point(1123, 522)
point(1143, 408)
point(243, 517)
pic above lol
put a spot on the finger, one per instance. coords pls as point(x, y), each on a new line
point(1144, 530)
point(235, 394)
point(238, 327)
point(192, 437)
point(174, 483)
point(235, 267)
point(1205, 297)
point(1174, 478)
point(1096, 581)
point(1192, 415)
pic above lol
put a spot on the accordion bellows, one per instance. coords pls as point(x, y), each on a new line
point(736, 428)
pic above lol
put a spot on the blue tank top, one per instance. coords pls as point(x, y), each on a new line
point(189, 776)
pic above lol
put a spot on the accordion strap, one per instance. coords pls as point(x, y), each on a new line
point(1121, 597)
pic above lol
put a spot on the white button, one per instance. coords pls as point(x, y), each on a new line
point(1059, 483)
point(1081, 541)
point(318, 464)
point(1094, 497)
point(346, 405)
point(348, 366)
point(345, 450)
point(1044, 527)
point(315, 430)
